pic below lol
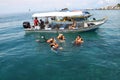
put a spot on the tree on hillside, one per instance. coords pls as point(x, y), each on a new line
point(118, 4)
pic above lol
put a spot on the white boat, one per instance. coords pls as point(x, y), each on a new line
point(61, 21)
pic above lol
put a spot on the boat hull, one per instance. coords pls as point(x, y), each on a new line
point(67, 30)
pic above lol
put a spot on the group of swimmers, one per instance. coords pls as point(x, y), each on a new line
point(61, 38)
point(54, 44)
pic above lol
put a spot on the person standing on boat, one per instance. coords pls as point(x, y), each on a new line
point(36, 22)
point(42, 24)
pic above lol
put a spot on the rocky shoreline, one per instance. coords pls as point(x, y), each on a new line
point(114, 7)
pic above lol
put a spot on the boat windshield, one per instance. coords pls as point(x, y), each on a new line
point(80, 19)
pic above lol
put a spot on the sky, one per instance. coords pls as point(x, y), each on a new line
point(16, 6)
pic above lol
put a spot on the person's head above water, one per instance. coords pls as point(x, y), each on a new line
point(60, 34)
point(78, 36)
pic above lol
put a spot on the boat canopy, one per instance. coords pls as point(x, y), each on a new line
point(58, 14)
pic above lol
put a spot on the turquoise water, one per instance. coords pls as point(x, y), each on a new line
point(22, 58)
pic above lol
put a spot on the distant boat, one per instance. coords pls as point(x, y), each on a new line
point(62, 21)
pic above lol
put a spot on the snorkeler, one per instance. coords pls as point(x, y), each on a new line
point(43, 39)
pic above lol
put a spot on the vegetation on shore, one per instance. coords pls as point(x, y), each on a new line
point(114, 7)
point(118, 5)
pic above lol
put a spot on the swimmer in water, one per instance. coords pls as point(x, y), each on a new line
point(61, 38)
point(78, 40)
point(51, 40)
point(54, 45)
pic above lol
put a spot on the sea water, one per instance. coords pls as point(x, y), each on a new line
point(22, 58)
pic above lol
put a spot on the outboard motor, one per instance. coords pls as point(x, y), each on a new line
point(26, 24)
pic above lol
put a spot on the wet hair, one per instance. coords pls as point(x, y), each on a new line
point(52, 40)
point(79, 36)
point(60, 38)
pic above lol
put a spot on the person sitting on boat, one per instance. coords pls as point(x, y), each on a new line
point(47, 24)
point(51, 40)
point(54, 45)
point(61, 37)
point(73, 26)
point(78, 40)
